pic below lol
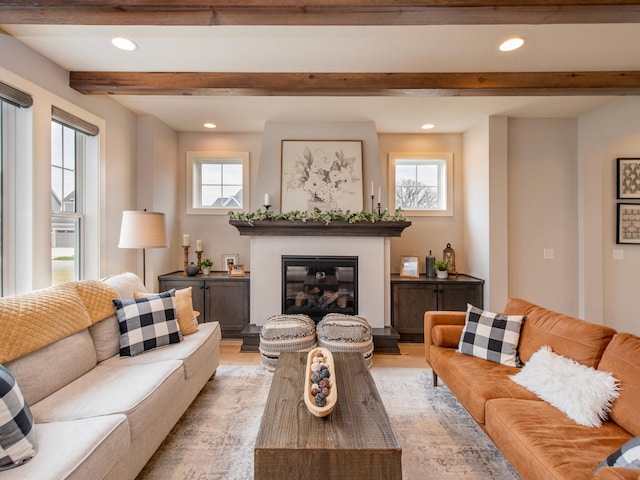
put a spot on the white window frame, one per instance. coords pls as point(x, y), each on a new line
point(194, 161)
point(77, 214)
point(445, 186)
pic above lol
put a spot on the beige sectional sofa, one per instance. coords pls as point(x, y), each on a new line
point(540, 441)
point(98, 415)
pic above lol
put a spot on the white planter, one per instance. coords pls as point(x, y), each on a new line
point(206, 270)
point(442, 274)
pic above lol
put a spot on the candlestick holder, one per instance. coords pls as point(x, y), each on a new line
point(186, 256)
point(372, 209)
point(267, 207)
point(199, 254)
point(379, 209)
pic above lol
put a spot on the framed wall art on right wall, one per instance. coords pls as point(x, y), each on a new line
point(628, 223)
point(628, 178)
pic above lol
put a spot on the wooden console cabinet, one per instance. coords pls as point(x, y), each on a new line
point(218, 298)
point(411, 297)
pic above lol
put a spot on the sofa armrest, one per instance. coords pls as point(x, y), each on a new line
point(433, 318)
point(617, 473)
point(446, 336)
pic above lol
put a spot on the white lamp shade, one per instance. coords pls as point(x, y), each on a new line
point(143, 230)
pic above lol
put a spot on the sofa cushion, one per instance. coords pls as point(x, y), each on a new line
point(461, 374)
point(184, 308)
point(17, 436)
point(622, 359)
point(106, 338)
point(69, 358)
point(542, 442)
point(195, 351)
point(147, 323)
point(76, 450)
point(491, 336)
point(126, 284)
point(583, 393)
point(568, 336)
point(627, 456)
point(141, 392)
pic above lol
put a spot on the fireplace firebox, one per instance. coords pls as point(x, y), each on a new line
point(318, 285)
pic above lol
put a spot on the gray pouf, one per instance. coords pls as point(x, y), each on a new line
point(285, 333)
point(346, 333)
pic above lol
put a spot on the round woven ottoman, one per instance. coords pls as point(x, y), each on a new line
point(285, 333)
point(346, 333)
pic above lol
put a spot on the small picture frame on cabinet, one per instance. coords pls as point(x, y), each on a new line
point(236, 270)
point(229, 259)
point(409, 266)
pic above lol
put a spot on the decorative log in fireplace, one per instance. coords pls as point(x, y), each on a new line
point(318, 285)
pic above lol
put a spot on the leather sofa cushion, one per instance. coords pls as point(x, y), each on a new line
point(571, 337)
point(622, 359)
point(447, 336)
point(542, 442)
point(474, 380)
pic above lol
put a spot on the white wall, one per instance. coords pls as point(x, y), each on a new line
point(543, 186)
point(475, 178)
point(218, 237)
point(26, 67)
point(608, 289)
point(157, 173)
point(429, 233)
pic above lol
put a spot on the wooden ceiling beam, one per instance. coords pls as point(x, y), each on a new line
point(357, 84)
point(318, 12)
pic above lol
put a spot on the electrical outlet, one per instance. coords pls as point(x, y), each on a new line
point(549, 254)
point(618, 254)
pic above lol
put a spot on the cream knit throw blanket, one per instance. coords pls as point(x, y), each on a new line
point(34, 320)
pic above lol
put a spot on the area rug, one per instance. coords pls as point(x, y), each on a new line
point(214, 439)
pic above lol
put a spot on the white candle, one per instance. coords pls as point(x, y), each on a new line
point(267, 199)
point(379, 193)
point(371, 188)
point(186, 241)
point(199, 245)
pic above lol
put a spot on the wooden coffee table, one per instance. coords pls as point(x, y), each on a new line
point(356, 441)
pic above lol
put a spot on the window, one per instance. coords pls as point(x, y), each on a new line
point(217, 182)
point(67, 147)
point(421, 183)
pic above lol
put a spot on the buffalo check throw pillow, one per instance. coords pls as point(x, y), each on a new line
point(17, 433)
point(491, 336)
point(147, 323)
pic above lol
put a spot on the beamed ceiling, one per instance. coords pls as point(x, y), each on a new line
point(52, 27)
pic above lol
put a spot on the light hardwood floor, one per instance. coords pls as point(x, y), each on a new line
point(411, 356)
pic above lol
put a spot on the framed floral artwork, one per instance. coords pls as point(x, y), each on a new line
point(323, 174)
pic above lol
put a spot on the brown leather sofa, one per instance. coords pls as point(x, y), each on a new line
point(539, 440)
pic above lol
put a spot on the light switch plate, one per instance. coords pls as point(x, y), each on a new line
point(549, 253)
point(618, 254)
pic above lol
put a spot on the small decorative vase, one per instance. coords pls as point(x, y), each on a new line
point(192, 269)
point(206, 270)
point(442, 274)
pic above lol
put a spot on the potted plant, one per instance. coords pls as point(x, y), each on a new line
point(206, 265)
point(441, 267)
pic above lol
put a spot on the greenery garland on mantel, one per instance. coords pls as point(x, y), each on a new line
point(318, 215)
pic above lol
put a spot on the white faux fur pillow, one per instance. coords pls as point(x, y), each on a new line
point(582, 393)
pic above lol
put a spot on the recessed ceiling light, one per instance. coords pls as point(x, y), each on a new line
point(511, 44)
point(124, 43)
point(210, 125)
point(428, 126)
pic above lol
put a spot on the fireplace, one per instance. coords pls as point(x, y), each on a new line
point(318, 285)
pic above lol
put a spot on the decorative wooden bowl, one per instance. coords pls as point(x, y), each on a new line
point(332, 398)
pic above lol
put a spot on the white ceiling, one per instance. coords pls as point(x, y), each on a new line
point(341, 49)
